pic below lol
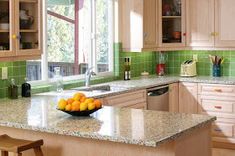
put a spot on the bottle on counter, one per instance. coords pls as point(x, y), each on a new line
point(127, 69)
point(13, 90)
point(58, 79)
point(26, 89)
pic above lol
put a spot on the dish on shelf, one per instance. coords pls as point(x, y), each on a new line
point(4, 26)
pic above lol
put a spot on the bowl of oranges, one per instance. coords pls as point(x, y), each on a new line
point(79, 105)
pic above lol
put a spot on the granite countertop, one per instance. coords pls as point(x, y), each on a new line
point(120, 87)
point(130, 126)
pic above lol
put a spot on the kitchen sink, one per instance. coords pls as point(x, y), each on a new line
point(101, 88)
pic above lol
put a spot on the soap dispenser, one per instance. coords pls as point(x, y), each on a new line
point(26, 89)
point(12, 90)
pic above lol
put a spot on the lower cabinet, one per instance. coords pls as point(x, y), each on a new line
point(188, 98)
point(219, 100)
point(134, 99)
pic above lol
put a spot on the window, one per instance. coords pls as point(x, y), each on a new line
point(79, 34)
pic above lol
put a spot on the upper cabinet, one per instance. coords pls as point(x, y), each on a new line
point(20, 29)
point(209, 23)
point(224, 23)
point(139, 25)
point(171, 23)
point(200, 23)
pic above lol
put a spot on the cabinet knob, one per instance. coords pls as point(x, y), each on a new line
point(14, 36)
point(145, 35)
point(218, 90)
point(213, 34)
point(184, 34)
point(218, 107)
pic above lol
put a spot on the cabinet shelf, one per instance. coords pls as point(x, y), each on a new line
point(28, 30)
point(3, 31)
point(28, 1)
point(171, 17)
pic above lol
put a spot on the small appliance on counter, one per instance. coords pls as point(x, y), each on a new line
point(188, 68)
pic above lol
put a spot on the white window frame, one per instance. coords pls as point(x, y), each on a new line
point(92, 61)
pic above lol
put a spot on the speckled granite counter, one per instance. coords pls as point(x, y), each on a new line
point(138, 127)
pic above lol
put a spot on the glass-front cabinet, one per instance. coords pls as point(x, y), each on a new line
point(172, 23)
point(6, 28)
point(20, 28)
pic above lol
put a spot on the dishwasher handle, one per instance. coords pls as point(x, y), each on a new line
point(159, 91)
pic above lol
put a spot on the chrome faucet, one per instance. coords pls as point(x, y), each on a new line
point(88, 75)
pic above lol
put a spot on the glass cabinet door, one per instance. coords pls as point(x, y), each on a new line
point(29, 27)
point(6, 27)
point(172, 22)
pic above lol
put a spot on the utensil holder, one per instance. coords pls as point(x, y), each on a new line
point(216, 70)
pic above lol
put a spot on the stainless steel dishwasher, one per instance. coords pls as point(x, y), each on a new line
point(158, 98)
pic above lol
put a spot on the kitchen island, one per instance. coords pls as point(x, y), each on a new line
point(109, 131)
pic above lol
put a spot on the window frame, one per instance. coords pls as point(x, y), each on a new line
point(45, 80)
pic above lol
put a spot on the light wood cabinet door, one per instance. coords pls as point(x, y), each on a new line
point(150, 24)
point(132, 24)
point(174, 97)
point(188, 98)
point(200, 23)
point(224, 23)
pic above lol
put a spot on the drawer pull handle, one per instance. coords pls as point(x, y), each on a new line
point(217, 130)
point(218, 90)
point(218, 107)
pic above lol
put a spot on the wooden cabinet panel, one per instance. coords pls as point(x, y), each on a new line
point(224, 23)
point(200, 23)
point(222, 130)
point(174, 97)
point(188, 98)
point(216, 90)
point(150, 24)
point(217, 106)
point(135, 99)
point(132, 25)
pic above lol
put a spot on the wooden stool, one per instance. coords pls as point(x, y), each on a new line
point(17, 146)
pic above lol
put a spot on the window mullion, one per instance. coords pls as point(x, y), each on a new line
point(44, 63)
point(94, 36)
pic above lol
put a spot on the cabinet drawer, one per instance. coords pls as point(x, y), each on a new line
point(127, 99)
point(222, 130)
point(217, 106)
point(215, 89)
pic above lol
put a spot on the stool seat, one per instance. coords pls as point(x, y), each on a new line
point(17, 145)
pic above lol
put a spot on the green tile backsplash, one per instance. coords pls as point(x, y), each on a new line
point(140, 62)
point(144, 61)
point(204, 66)
point(16, 70)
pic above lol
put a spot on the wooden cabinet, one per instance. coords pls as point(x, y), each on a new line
point(219, 100)
point(209, 23)
point(188, 98)
point(200, 23)
point(172, 23)
point(134, 99)
point(174, 97)
point(23, 38)
point(139, 27)
point(224, 23)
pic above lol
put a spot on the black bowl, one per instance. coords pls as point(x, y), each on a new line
point(80, 113)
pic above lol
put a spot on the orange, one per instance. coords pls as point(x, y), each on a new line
point(82, 99)
point(91, 106)
point(90, 100)
point(76, 103)
point(83, 106)
point(97, 103)
point(70, 100)
point(75, 108)
point(61, 104)
point(68, 107)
